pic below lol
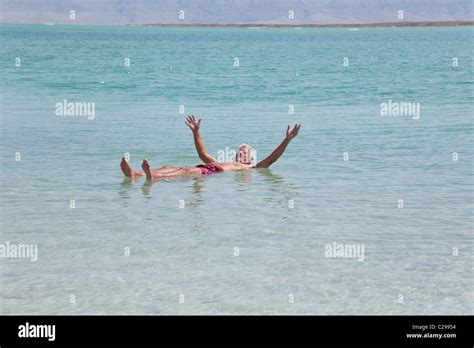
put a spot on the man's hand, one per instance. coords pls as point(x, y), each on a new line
point(276, 154)
point(292, 133)
point(192, 123)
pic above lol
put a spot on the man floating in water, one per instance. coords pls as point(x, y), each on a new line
point(243, 159)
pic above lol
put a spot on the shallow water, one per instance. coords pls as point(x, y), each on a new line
point(250, 242)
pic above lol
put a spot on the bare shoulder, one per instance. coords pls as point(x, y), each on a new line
point(234, 166)
point(245, 166)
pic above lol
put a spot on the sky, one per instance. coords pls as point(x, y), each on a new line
point(139, 12)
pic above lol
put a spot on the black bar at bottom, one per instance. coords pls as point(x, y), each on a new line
point(288, 330)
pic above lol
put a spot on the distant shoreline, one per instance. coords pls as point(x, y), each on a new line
point(336, 25)
point(266, 25)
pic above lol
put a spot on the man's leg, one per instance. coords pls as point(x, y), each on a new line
point(176, 173)
point(128, 170)
point(165, 170)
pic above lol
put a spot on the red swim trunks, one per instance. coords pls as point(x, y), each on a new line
point(207, 169)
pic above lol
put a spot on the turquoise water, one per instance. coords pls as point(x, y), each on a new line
point(250, 242)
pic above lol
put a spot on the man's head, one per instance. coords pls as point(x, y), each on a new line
point(245, 155)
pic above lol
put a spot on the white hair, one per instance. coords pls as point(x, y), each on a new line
point(253, 152)
point(244, 144)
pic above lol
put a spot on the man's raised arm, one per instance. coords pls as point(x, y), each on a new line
point(276, 154)
point(194, 125)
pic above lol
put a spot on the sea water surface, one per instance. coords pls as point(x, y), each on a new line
point(237, 243)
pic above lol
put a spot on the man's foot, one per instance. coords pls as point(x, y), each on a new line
point(146, 168)
point(128, 170)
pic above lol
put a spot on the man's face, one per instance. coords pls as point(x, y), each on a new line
point(244, 155)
